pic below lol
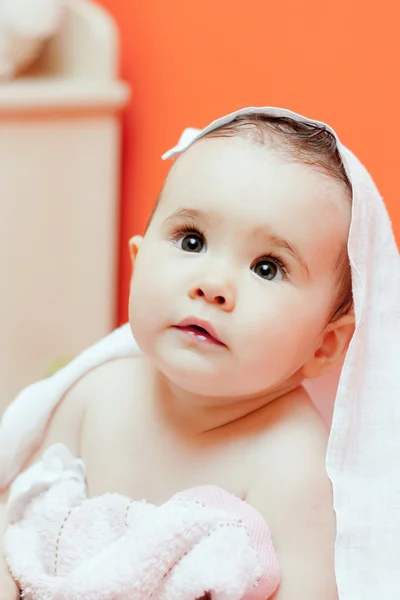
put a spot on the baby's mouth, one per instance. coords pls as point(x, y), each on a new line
point(199, 333)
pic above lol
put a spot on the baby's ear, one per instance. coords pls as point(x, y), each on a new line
point(134, 245)
point(332, 348)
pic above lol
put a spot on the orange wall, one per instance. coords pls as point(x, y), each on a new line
point(191, 61)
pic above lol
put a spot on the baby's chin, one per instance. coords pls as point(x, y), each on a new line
point(208, 373)
point(207, 381)
point(195, 374)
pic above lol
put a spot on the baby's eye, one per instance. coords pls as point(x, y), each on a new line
point(192, 242)
point(269, 269)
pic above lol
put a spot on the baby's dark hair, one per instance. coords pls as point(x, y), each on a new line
point(310, 144)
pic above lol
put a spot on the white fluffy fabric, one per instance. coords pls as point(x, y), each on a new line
point(62, 545)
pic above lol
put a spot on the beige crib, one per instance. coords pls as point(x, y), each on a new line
point(59, 195)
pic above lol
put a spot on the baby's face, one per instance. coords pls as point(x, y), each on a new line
point(244, 244)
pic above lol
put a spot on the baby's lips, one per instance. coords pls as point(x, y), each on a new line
point(203, 324)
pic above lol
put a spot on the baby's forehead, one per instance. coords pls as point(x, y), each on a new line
point(236, 173)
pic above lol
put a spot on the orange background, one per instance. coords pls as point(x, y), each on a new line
point(189, 62)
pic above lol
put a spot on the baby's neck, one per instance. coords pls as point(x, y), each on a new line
point(192, 414)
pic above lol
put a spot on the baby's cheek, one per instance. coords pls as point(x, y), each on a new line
point(148, 275)
point(281, 337)
point(152, 291)
point(142, 306)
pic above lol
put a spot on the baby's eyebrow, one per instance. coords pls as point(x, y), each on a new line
point(271, 238)
point(191, 213)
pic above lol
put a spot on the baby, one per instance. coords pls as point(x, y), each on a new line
point(241, 291)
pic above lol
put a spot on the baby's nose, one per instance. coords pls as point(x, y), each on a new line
point(214, 292)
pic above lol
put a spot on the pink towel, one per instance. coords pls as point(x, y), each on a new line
point(62, 545)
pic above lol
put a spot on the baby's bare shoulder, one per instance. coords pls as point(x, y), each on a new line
point(296, 417)
point(66, 423)
point(291, 447)
point(299, 438)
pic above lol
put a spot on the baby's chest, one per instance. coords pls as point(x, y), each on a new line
point(141, 461)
